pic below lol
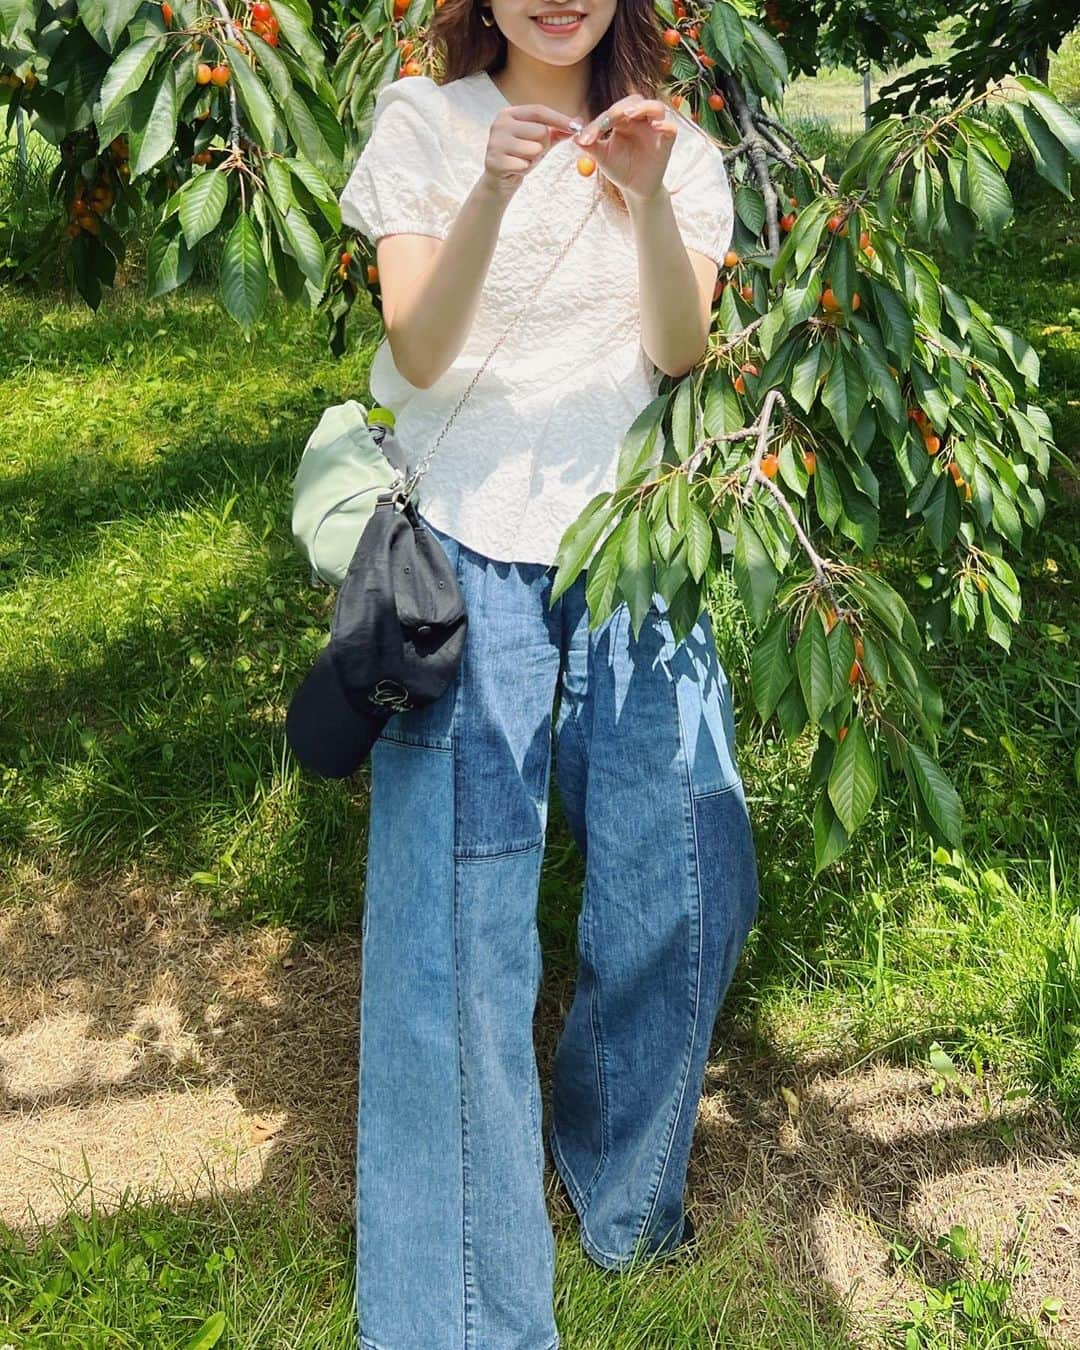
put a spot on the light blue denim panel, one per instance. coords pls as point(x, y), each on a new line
point(507, 1227)
point(705, 705)
point(410, 1086)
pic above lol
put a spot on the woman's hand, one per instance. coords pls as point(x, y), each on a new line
point(635, 154)
point(519, 139)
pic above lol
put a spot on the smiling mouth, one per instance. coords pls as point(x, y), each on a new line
point(557, 20)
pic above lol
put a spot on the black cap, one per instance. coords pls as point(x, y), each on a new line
point(396, 641)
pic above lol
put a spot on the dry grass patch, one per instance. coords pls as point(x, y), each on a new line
point(178, 1052)
point(871, 1154)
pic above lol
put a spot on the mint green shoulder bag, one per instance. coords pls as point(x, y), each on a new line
point(342, 471)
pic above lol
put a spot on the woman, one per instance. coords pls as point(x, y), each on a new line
point(469, 188)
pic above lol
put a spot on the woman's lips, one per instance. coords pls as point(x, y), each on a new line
point(557, 28)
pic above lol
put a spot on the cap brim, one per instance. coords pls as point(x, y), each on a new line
point(325, 733)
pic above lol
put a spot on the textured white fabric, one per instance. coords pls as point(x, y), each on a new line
point(540, 433)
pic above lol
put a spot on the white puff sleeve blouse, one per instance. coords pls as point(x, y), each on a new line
point(540, 433)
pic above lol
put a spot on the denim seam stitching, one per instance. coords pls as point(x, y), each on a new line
point(360, 1225)
point(462, 853)
point(595, 1023)
point(695, 869)
point(535, 968)
point(366, 1343)
point(597, 1036)
point(715, 792)
point(466, 1240)
point(564, 1170)
point(417, 743)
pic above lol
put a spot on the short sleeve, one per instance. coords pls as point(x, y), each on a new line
point(402, 182)
point(700, 191)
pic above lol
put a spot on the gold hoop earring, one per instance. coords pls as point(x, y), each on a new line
point(486, 16)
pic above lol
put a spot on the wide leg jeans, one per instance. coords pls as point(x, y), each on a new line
point(455, 1249)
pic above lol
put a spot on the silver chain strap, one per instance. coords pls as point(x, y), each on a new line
point(409, 486)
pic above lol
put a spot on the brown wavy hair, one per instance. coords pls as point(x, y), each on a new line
point(628, 59)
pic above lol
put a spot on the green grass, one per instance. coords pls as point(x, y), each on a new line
point(154, 619)
point(262, 1273)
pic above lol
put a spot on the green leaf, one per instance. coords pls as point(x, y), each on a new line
point(603, 575)
point(814, 667)
point(799, 301)
point(202, 201)
point(678, 501)
point(876, 370)
point(791, 711)
point(749, 203)
point(938, 794)
point(886, 605)
point(309, 132)
point(244, 282)
point(841, 657)
point(1020, 352)
point(894, 320)
point(209, 1333)
point(988, 193)
point(682, 419)
point(639, 440)
point(296, 32)
point(853, 780)
point(830, 837)
point(11, 12)
point(304, 245)
point(126, 73)
point(118, 14)
point(277, 72)
point(770, 49)
point(636, 578)
point(1047, 153)
point(1061, 123)
point(802, 243)
point(941, 513)
point(827, 493)
point(169, 261)
point(579, 539)
point(804, 377)
point(844, 392)
point(722, 411)
point(925, 194)
point(699, 538)
point(153, 123)
point(727, 32)
point(257, 106)
point(754, 573)
point(315, 183)
point(278, 184)
point(770, 666)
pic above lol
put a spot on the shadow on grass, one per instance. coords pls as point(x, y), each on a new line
point(165, 744)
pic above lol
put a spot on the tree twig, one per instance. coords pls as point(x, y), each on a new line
point(783, 131)
point(234, 113)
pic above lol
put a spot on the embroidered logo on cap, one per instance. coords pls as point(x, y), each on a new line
point(390, 694)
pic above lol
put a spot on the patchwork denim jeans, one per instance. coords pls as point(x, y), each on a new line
point(455, 1249)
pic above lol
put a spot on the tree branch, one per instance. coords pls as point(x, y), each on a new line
point(758, 157)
